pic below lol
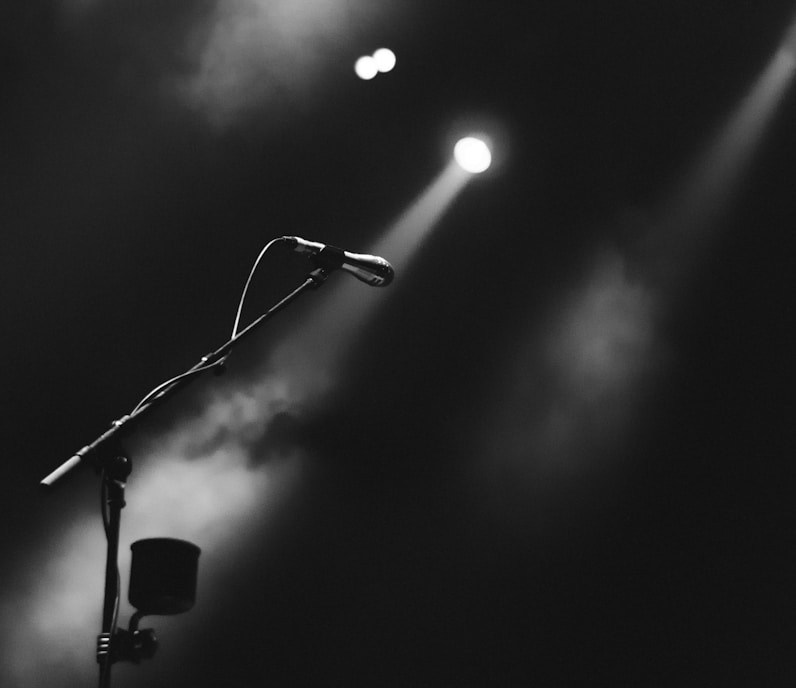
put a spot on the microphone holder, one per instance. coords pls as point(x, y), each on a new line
point(107, 456)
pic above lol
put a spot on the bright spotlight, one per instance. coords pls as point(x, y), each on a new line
point(366, 67)
point(473, 155)
point(385, 59)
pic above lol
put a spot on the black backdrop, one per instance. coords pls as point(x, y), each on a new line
point(434, 537)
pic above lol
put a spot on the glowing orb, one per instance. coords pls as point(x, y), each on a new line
point(385, 59)
point(366, 67)
point(472, 154)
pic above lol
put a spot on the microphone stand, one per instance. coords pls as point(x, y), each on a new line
point(106, 456)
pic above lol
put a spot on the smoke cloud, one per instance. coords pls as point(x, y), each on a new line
point(574, 387)
point(598, 349)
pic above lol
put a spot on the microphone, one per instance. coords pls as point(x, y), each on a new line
point(372, 270)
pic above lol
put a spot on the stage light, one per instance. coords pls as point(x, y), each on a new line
point(385, 59)
point(472, 154)
point(366, 67)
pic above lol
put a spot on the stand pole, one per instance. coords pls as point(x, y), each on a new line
point(105, 454)
point(114, 477)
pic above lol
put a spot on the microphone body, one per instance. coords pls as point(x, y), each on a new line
point(372, 270)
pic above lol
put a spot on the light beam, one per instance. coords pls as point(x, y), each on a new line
point(201, 481)
point(571, 392)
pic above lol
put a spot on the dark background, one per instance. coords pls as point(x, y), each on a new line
point(432, 539)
